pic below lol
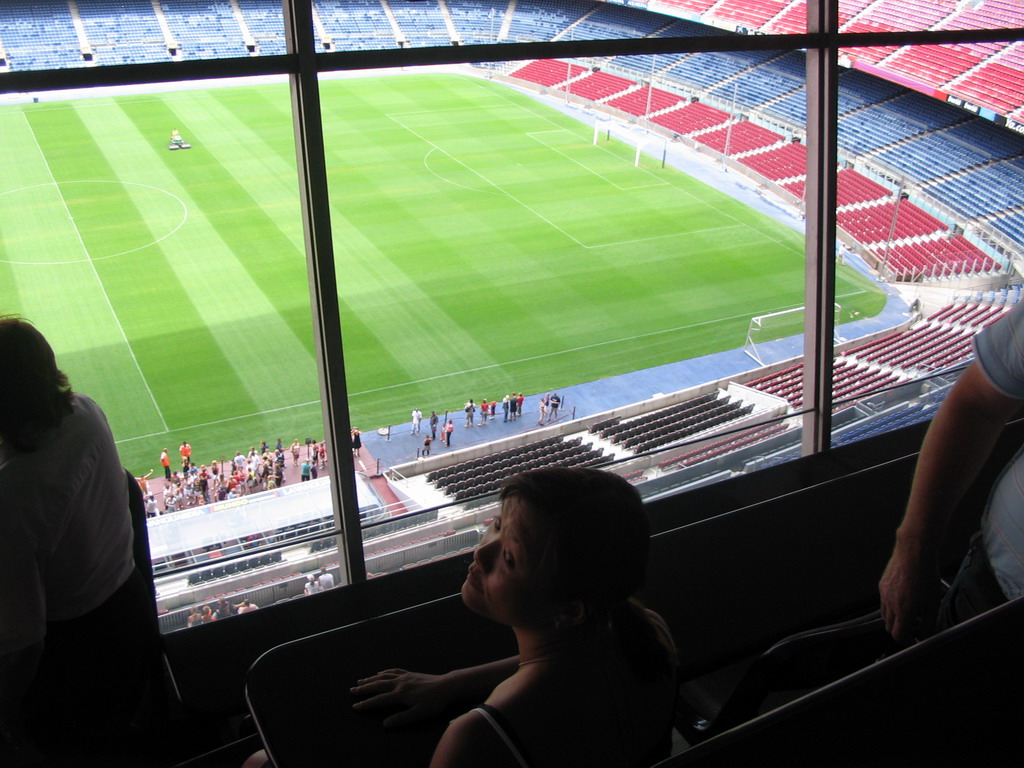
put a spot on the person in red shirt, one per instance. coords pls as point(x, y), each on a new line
point(165, 462)
point(186, 455)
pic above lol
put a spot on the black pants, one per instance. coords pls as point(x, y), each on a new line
point(974, 590)
point(93, 673)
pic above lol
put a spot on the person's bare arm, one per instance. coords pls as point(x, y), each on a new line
point(955, 448)
point(420, 696)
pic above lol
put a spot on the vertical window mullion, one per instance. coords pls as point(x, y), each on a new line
point(316, 222)
point(820, 240)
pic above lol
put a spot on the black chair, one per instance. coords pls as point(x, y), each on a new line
point(298, 692)
point(792, 666)
point(951, 700)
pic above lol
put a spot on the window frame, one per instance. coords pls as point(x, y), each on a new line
point(303, 64)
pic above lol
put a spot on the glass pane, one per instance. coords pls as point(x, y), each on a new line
point(565, 226)
point(156, 239)
point(49, 35)
point(929, 200)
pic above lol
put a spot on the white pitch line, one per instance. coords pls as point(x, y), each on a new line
point(500, 190)
point(451, 374)
point(167, 431)
point(489, 182)
point(99, 281)
point(656, 182)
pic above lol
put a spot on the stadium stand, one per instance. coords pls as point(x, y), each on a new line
point(791, 20)
point(266, 24)
point(545, 19)
point(983, 191)
point(772, 80)
point(739, 138)
point(853, 188)
point(786, 162)
point(548, 72)
point(39, 34)
point(606, 22)
point(753, 14)
point(478, 21)
point(646, 100)
point(937, 257)
point(204, 29)
point(715, 69)
point(888, 221)
point(691, 118)
point(598, 86)
point(421, 23)
point(357, 25)
point(125, 33)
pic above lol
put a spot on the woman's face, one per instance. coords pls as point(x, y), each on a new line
point(509, 576)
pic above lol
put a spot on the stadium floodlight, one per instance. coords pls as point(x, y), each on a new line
point(779, 325)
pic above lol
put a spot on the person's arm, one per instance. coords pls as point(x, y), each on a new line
point(955, 449)
point(420, 696)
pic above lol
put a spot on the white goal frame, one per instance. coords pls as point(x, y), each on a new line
point(631, 136)
point(757, 323)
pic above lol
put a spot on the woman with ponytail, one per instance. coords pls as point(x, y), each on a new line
point(593, 683)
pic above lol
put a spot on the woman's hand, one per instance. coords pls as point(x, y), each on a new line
point(416, 696)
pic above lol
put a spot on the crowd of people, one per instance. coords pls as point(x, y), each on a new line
point(221, 609)
point(512, 407)
point(262, 468)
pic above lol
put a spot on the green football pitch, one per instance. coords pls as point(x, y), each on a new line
point(483, 245)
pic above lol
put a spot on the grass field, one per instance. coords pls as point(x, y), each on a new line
point(483, 245)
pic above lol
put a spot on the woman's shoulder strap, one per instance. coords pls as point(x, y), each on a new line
point(505, 732)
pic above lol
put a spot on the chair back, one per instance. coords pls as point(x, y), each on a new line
point(298, 692)
point(949, 700)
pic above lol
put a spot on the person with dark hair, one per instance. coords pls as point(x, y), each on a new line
point(77, 628)
point(594, 680)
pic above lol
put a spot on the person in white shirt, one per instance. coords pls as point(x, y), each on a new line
point(326, 579)
point(78, 633)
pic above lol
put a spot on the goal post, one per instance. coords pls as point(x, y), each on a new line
point(638, 139)
point(779, 325)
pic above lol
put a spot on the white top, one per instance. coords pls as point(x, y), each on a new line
point(1000, 353)
point(65, 528)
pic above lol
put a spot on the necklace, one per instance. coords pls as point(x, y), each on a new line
point(549, 657)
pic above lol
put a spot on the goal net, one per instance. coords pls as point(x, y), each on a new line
point(640, 140)
point(778, 325)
